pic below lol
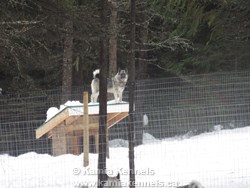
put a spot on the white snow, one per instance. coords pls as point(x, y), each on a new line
point(148, 138)
point(118, 143)
point(76, 108)
point(51, 112)
point(217, 159)
point(218, 127)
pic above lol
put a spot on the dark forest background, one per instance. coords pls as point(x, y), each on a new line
point(46, 44)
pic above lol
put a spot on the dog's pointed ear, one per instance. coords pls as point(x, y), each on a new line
point(126, 70)
point(119, 70)
point(118, 176)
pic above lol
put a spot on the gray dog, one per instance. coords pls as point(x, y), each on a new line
point(113, 182)
point(192, 184)
point(116, 85)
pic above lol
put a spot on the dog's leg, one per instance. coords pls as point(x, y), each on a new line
point(116, 96)
point(120, 96)
point(94, 97)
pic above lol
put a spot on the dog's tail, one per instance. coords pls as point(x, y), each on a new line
point(97, 71)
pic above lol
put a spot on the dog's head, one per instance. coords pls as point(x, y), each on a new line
point(122, 74)
point(113, 182)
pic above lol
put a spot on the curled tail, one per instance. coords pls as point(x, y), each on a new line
point(97, 71)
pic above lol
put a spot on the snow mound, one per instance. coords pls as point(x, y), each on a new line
point(51, 112)
point(118, 143)
point(218, 127)
point(148, 138)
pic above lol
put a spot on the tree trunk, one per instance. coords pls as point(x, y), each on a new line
point(131, 129)
point(144, 37)
point(67, 61)
point(77, 77)
point(102, 99)
point(142, 65)
point(113, 39)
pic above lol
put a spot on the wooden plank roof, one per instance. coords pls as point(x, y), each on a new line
point(71, 117)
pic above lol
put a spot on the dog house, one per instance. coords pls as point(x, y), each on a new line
point(73, 123)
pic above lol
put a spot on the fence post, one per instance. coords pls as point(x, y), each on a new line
point(85, 130)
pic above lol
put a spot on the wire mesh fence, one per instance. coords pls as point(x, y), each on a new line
point(194, 127)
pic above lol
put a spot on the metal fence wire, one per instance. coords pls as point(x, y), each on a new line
point(173, 118)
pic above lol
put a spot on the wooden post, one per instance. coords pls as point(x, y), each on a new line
point(97, 142)
point(85, 130)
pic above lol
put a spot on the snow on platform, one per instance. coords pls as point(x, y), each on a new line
point(76, 108)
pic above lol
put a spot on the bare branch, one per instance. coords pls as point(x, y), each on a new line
point(20, 23)
point(146, 60)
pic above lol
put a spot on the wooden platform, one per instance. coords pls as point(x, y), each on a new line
point(67, 126)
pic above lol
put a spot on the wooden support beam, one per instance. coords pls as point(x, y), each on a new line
point(78, 127)
point(116, 118)
point(86, 130)
point(58, 119)
point(97, 142)
point(72, 119)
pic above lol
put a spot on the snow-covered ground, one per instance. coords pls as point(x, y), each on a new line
point(218, 159)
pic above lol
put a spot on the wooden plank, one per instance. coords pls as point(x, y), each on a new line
point(94, 132)
point(69, 139)
point(111, 116)
point(85, 130)
point(76, 145)
point(115, 119)
point(72, 119)
point(94, 119)
point(79, 127)
point(96, 135)
point(48, 126)
point(79, 119)
point(59, 146)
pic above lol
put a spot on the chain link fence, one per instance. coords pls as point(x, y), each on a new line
point(192, 127)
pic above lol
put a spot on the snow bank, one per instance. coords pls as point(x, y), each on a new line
point(216, 159)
